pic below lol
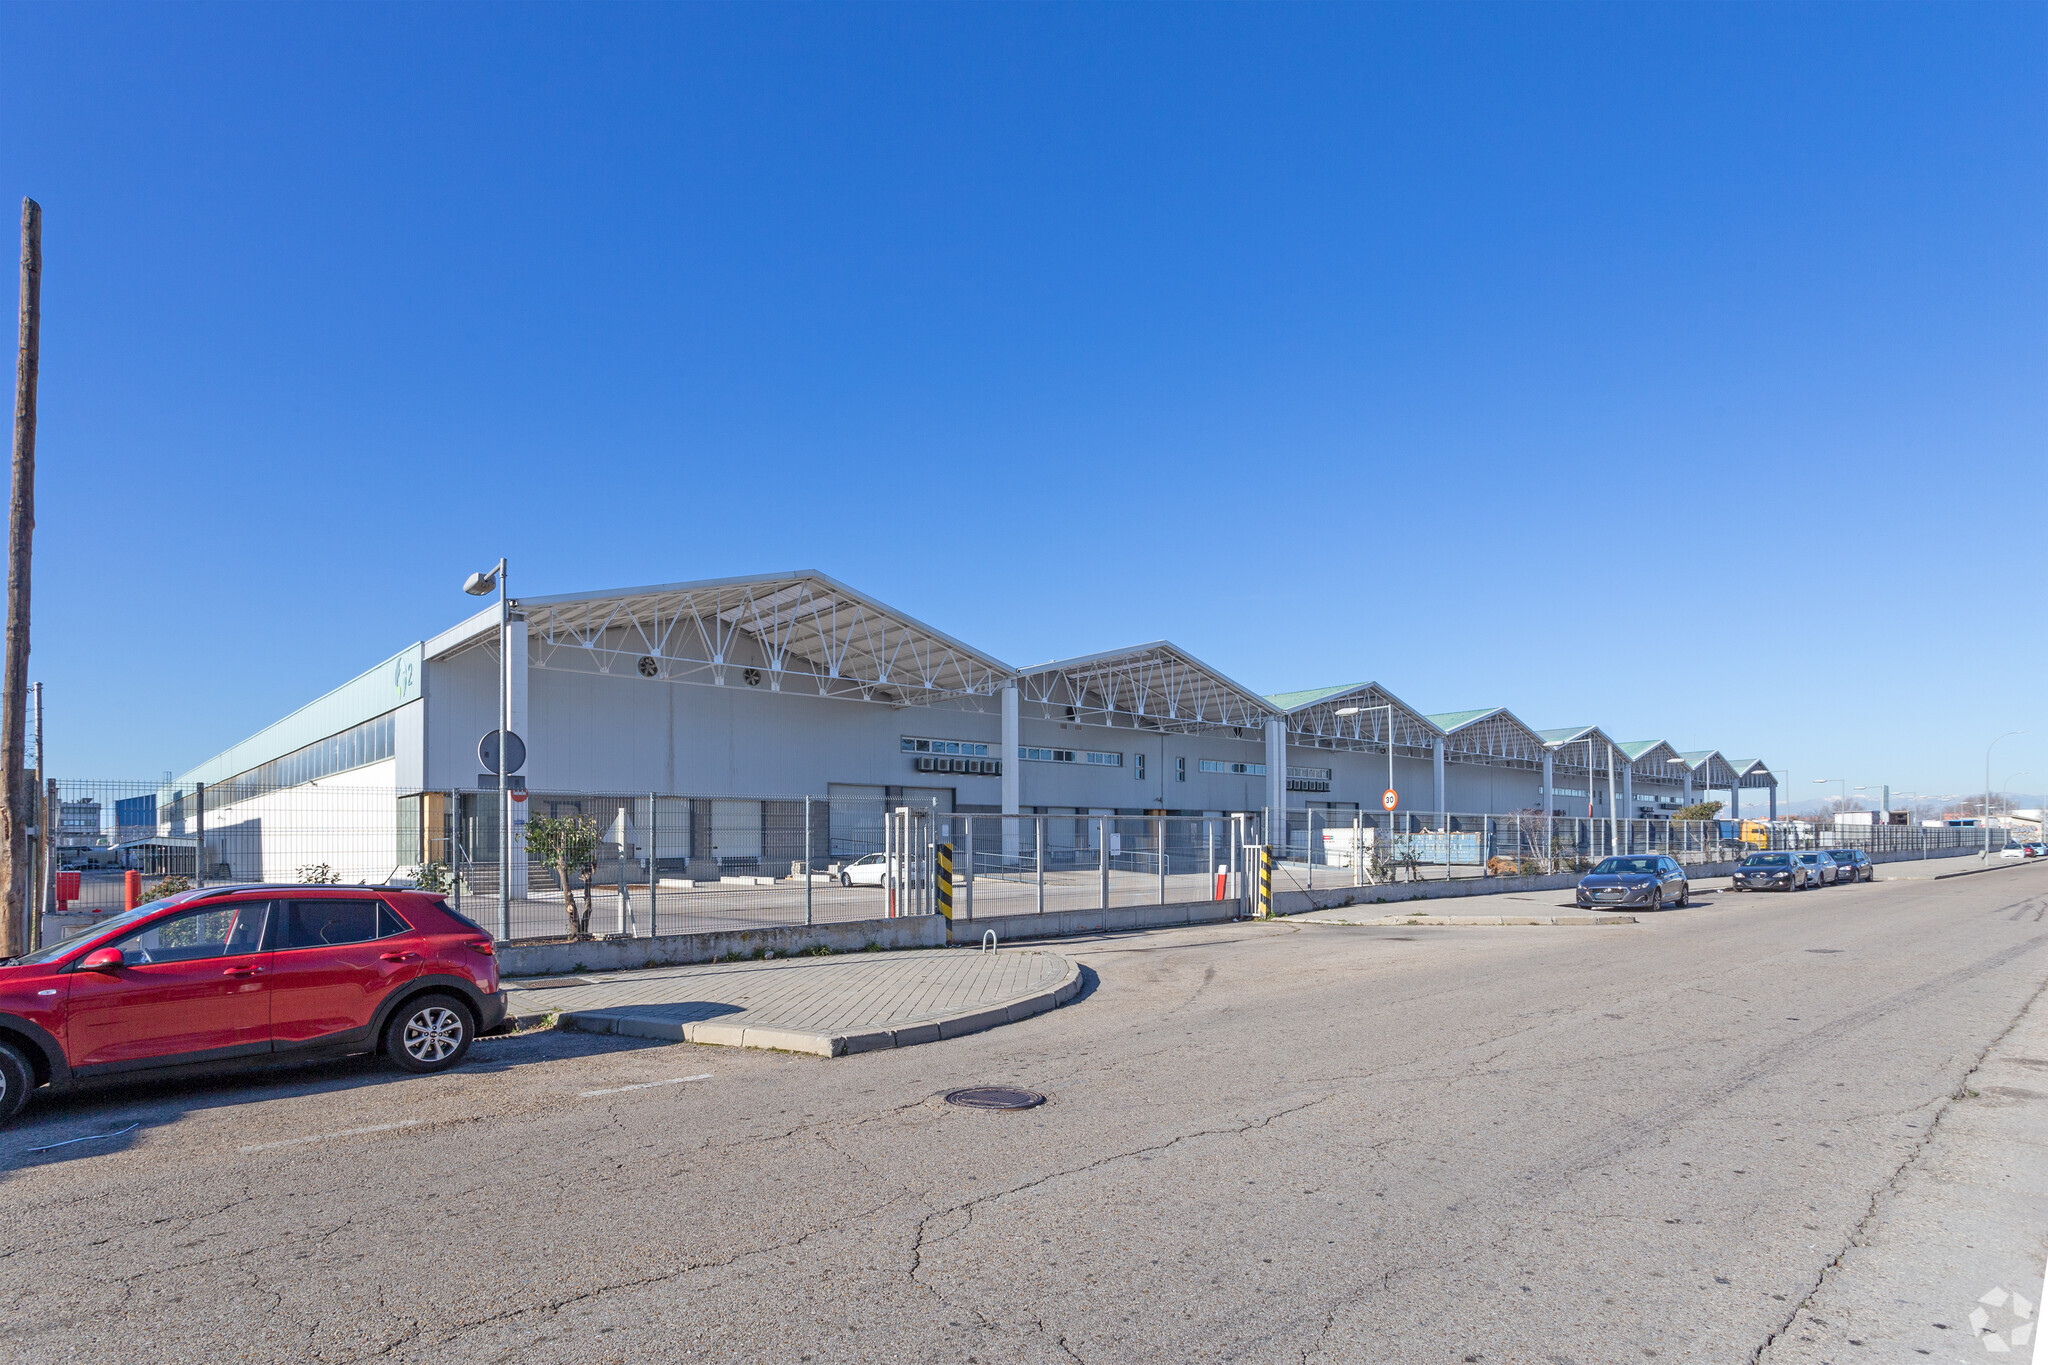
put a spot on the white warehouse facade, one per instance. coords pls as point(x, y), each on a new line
point(775, 688)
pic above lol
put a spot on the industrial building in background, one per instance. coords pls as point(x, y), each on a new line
point(759, 691)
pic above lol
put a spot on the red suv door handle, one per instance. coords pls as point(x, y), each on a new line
point(241, 971)
point(399, 957)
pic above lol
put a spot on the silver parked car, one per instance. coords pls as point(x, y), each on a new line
point(1646, 879)
point(1820, 868)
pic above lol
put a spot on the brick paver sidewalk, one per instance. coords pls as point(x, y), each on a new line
point(855, 1002)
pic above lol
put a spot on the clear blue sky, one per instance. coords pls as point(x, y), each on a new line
point(1674, 369)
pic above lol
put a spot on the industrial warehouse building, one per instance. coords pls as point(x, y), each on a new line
point(747, 695)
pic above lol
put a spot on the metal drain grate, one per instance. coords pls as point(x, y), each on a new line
point(995, 1097)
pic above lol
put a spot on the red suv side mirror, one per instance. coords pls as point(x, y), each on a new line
point(101, 960)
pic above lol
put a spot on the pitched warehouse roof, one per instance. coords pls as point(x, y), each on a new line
point(1313, 720)
point(1156, 686)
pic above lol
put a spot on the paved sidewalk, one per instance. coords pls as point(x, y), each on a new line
point(855, 1002)
point(1949, 1263)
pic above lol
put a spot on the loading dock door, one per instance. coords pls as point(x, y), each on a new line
point(856, 818)
point(735, 830)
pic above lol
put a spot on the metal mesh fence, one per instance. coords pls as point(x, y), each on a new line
point(674, 864)
point(1330, 848)
point(1030, 864)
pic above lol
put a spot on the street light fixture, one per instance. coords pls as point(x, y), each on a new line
point(1845, 786)
point(480, 585)
point(1358, 733)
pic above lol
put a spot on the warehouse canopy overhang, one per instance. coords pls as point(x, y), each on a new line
point(1156, 686)
point(1583, 748)
point(1709, 769)
point(791, 632)
point(1313, 721)
point(1655, 759)
point(1751, 772)
point(1489, 735)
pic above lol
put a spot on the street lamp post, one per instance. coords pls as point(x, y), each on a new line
point(1987, 785)
point(1358, 733)
point(479, 585)
point(2005, 797)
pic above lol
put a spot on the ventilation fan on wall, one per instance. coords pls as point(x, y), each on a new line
point(649, 668)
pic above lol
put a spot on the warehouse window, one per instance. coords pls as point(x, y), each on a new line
point(1213, 765)
point(1100, 760)
point(913, 745)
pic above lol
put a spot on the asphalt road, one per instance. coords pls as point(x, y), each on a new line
point(1263, 1142)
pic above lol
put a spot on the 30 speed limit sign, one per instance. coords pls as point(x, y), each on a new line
point(1389, 798)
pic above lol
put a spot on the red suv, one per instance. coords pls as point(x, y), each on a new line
point(241, 972)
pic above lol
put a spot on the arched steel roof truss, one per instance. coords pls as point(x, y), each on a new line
point(1380, 715)
point(1496, 737)
point(1653, 760)
point(1152, 687)
point(793, 632)
point(1710, 770)
point(1751, 772)
point(1584, 749)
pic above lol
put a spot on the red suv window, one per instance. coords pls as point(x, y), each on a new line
point(330, 923)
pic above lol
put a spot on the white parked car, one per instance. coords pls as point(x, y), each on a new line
point(2016, 851)
point(871, 870)
point(868, 871)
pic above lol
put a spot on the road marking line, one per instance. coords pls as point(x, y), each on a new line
point(346, 1132)
point(644, 1085)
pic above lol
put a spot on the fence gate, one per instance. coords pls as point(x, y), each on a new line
point(909, 835)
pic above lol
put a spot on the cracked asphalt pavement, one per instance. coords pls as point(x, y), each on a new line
point(1263, 1142)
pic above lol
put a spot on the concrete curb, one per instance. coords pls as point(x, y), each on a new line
point(1996, 865)
point(1455, 921)
point(930, 1030)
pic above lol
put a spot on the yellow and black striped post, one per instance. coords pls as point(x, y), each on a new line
point(1265, 907)
point(944, 887)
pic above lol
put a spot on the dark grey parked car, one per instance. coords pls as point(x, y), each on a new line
point(1646, 879)
point(1853, 865)
point(1772, 872)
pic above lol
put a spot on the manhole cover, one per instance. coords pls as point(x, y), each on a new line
point(995, 1097)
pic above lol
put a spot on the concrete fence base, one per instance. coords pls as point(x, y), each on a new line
point(613, 954)
point(677, 950)
point(1116, 919)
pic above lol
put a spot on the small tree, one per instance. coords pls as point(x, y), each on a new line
point(569, 845)
point(318, 874)
point(1698, 810)
point(434, 877)
point(169, 886)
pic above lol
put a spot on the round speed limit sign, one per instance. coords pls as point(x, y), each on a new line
point(1389, 799)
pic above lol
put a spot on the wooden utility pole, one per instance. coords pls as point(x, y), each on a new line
point(21, 527)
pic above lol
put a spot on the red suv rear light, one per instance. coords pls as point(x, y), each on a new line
point(481, 945)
